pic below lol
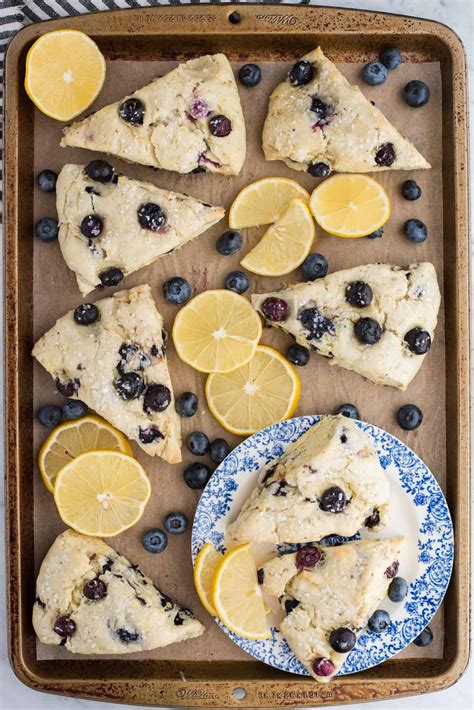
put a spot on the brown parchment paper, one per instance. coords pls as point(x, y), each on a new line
point(323, 387)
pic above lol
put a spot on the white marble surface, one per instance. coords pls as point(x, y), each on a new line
point(458, 14)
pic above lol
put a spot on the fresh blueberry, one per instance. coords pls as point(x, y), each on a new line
point(151, 216)
point(177, 290)
point(157, 398)
point(315, 266)
point(130, 386)
point(46, 180)
point(74, 409)
point(319, 170)
point(99, 171)
point(132, 111)
point(111, 277)
point(250, 75)
point(275, 309)
point(49, 415)
point(298, 355)
point(236, 281)
point(86, 314)
point(198, 443)
point(196, 475)
point(416, 93)
point(348, 410)
point(47, 229)
point(390, 57)
point(398, 589)
point(425, 638)
point(154, 540)
point(176, 523)
point(359, 294)
point(342, 640)
point(333, 500)
point(415, 230)
point(418, 341)
point(187, 404)
point(379, 621)
point(368, 331)
point(409, 417)
point(91, 226)
point(229, 242)
point(385, 155)
point(374, 73)
point(301, 73)
point(218, 450)
point(220, 126)
point(376, 235)
point(411, 190)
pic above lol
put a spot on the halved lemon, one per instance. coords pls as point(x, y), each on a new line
point(101, 493)
point(285, 245)
point(237, 596)
point(72, 438)
point(350, 205)
point(217, 331)
point(264, 391)
point(65, 71)
point(204, 568)
point(264, 201)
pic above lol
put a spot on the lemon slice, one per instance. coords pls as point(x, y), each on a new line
point(285, 245)
point(217, 331)
point(72, 438)
point(264, 201)
point(65, 71)
point(204, 568)
point(101, 493)
point(350, 205)
point(262, 392)
point(237, 596)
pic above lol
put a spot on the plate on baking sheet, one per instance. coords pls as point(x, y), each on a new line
point(419, 512)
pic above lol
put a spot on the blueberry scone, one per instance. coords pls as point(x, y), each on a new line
point(328, 595)
point(111, 355)
point(90, 599)
point(111, 225)
point(318, 122)
point(187, 120)
point(328, 482)
point(377, 320)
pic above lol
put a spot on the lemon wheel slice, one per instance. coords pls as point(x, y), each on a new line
point(264, 201)
point(350, 205)
point(217, 331)
point(101, 493)
point(72, 438)
point(262, 392)
point(65, 71)
point(204, 568)
point(237, 596)
point(285, 245)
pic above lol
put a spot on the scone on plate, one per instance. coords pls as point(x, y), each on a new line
point(111, 355)
point(329, 481)
point(377, 320)
point(328, 595)
point(318, 122)
point(189, 119)
point(111, 225)
point(90, 599)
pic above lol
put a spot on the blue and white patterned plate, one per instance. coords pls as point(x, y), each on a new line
point(419, 512)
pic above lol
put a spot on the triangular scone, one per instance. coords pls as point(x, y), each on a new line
point(117, 366)
point(330, 590)
point(329, 121)
point(122, 205)
point(377, 320)
point(328, 482)
point(90, 599)
point(188, 119)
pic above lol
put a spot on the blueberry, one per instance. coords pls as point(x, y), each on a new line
point(132, 111)
point(157, 398)
point(390, 57)
point(323, 667)
point(348, 410)
point(275, 309)
point(95, 589)
point(418, 341)
point(315, 266)
point(374, 73)
point(398, 589)
point(151, 216)
point(130, 386)
point(373, 520)
point(46, 180)
point(376, 235)
point(86, 314)
point(260, 575)
point(320, 109)
point(154, 540)
point(234, 18)
point(359, 294)
point(149, 434)
point(379, 621)
point(409, 417)
point(198, 443)
point(196, 475)
point(177, 290)
point(333, 500)
point(91, 226)
point(132, 358)
point(415, 230)
point(218, 450)
point(229, 242)
point(342, 640)
point(67, 388)
point(47, 229)
point(111, 277)
point(290, 604)
point(220, 126)
point(250, 75)
point(425, 638)
point(308, 557)
point(236, 281)
point(126, 636)
point(317, 324)
point(49, 415)
point(298, 355)
point(64, 626)
point(99, 170)
point(301, 73)
point(368, 331)
point(187, 404)
point(411, 190)
point(176, 523)
point(385, 155)
point(74, 409)
point(392, 570)
point(319, 170)
point(416, 93)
